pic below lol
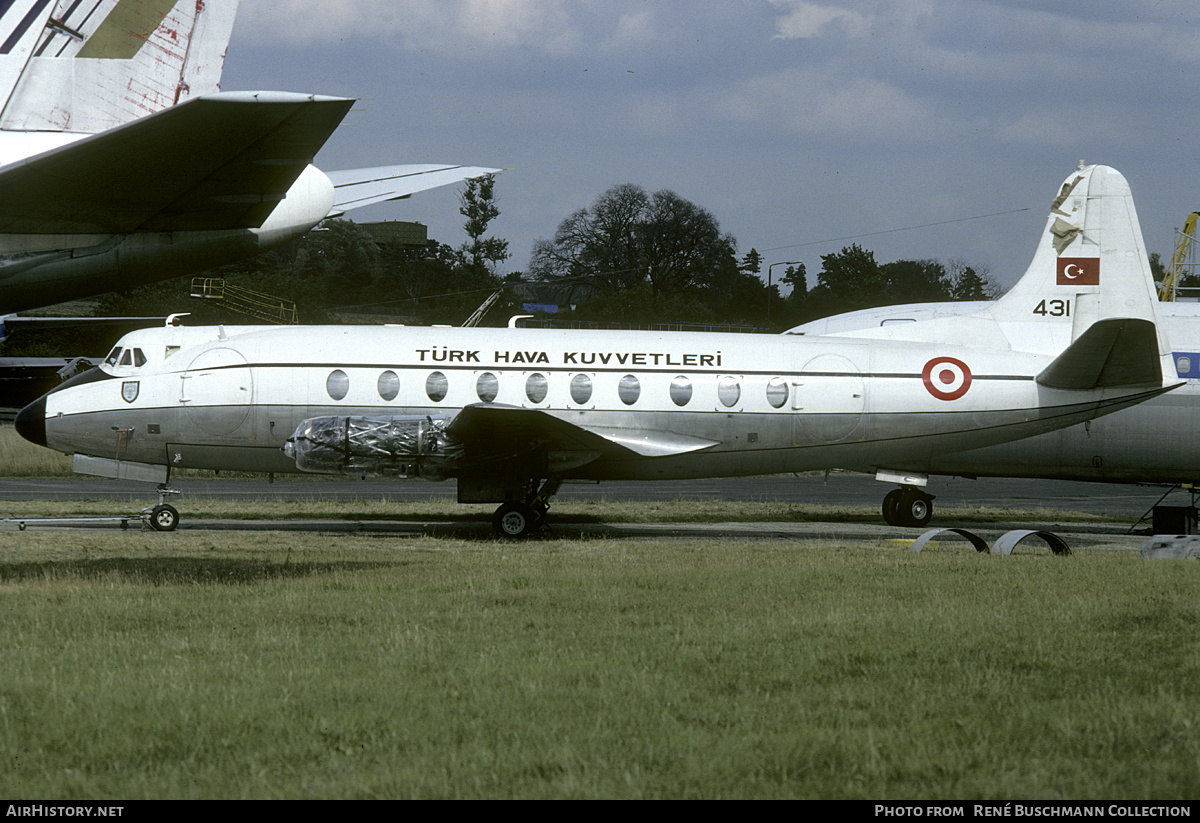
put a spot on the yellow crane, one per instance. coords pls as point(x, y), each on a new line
point(1183, 244)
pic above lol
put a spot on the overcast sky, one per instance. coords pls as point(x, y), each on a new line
point(802, 126)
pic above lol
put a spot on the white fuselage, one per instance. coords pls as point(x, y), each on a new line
point(686, 404)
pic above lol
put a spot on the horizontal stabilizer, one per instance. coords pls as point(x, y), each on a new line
point(223, 161)
point(510, 429)
point(355, 188)
point(1111, 353)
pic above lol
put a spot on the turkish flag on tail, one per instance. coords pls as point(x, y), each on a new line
point(1078, 271)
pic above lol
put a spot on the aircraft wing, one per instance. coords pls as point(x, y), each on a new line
point(220, 161)
point(499, 429)
point(355, 188)
point(480, 437)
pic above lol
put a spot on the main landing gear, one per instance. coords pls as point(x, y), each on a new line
point(907, 506)
point(518, 519)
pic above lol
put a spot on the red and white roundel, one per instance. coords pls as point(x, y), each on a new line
point(947, 378)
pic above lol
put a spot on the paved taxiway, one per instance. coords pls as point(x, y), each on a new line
point(838, 488)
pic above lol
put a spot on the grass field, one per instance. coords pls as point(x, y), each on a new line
point(261, 665)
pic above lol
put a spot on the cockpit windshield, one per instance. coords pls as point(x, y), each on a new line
point(125, 357)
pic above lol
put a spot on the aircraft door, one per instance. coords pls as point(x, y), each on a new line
point(216, 390)
point(828, 399)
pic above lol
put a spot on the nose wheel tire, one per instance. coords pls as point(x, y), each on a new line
point(164, 518)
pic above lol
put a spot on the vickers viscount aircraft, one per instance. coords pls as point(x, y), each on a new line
point(512, 413)
point(121, 162)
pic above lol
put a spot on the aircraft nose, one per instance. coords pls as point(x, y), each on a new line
point(31, 422)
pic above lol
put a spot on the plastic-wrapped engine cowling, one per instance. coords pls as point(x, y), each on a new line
point(387, 446)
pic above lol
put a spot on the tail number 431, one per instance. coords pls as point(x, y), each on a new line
point(1053, 308)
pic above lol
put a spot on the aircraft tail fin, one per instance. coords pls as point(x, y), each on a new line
point(1090, 265)
point(21, 26)
point(91, 65)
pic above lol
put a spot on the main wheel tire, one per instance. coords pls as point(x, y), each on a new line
point(915, 508)
point(515, 520)
point(164, 518)
point(891, 507)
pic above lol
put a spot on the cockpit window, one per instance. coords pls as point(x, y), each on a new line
point(126, 357)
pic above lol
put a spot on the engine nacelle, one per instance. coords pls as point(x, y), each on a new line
point(376, 446)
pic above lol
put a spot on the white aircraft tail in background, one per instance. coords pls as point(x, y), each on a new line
point(91, 65)
point(121, 162)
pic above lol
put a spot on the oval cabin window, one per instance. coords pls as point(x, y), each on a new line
point(487, 387)
point(436, 386)
point(681, 391)
point(777, 392)
point(389, 385)
point(536, 387)
point(581, 389)
point(629, 389)
point(729, 391)
point(337, 384)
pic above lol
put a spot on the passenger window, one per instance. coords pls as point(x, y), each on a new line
point(337, 384)
point(629, 389)
point(388, 385)
point(487, 387)
point(535, 388)
point(777, 392)
point(681, 391)
point(728, 391)
point(436, 387)
point(581, 389)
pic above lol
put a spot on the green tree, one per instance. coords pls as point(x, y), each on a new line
point(849, 280)
point(629, 238)
point(595, 251)
point(752, 262)
point(970, 282)
point(478, 204)
point(916, 281)
point(796, 306)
